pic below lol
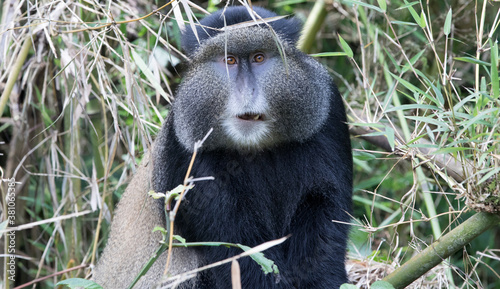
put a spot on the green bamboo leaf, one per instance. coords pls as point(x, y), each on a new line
point(414, 14)
point(389, 133)
point(422, 22)
point(375, 133)
point(426, 120)
point(449, 150)
point(383, 5)
point(478, 118)
point(415, 139)
point(363, 156)
point(369, 6)
point(407, 84)
point(394, 62)
point(346, 47)
point(437, 92)
point(403, 23)
point(413, 106)
point(495, 89)
point(447, 23)
point(423, 145)
point(472, 60)
point(413, 60)
point(488, 175)
point(369, 202)
point(159, 229)
point(180, 239)
point(407, 5)
point(328, 54)
point(373, 124)
point(483, 84)
point(466, 100)
point(279, 4)
point(266, 264)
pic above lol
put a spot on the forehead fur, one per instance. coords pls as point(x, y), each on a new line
point(241, 41)
point(210, 26)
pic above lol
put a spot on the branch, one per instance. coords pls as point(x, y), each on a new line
point(451, 166)
point(442, 249)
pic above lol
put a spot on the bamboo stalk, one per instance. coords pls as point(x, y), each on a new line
point(23, 53)
point(312, 26)
point(442, 249)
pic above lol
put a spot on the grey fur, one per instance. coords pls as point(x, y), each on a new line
point(205, 93)
point(131, 242)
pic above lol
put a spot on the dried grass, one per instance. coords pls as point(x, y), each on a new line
point(88, 102)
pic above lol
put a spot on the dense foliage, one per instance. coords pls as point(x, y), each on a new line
point(85, 87)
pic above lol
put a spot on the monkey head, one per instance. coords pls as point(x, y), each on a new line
point(252, 86)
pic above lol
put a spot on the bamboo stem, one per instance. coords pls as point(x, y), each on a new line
point(442, 249)
point(312, 26)
point(23, 53)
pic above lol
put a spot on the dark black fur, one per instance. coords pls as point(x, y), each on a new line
point(288, 29)
point(295, 188)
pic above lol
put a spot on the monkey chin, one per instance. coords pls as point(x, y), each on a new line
point(248, 132)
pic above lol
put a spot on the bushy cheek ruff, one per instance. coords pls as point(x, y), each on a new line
point(198, 107)
point(299, 103)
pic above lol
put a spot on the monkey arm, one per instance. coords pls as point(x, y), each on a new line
point(317, 244)
point(132, 242)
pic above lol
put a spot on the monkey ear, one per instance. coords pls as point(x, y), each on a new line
point(287, 28)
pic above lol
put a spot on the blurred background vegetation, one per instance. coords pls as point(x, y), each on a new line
point(85, 86)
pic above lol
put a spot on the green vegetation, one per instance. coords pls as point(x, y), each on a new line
point(85, 87)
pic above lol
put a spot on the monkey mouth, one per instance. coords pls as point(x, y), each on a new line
point(251, 117)
point(247, 129)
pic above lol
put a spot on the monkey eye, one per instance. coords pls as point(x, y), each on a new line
point(259, 57)
point(230, 60)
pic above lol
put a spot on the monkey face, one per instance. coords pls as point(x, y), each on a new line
point(255, 90)
point(247, 118)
